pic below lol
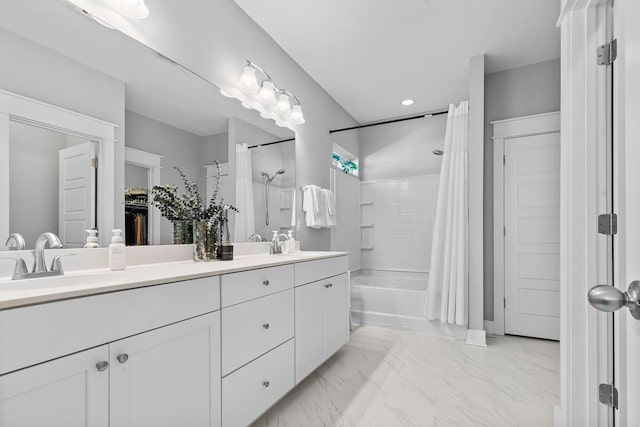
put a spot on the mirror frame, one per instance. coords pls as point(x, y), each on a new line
point(29, 111)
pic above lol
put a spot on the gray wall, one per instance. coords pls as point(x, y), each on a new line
point(402, 149)
point(533, 89)
point(179, 148)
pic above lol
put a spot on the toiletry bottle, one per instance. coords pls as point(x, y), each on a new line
point(92, 239)
point(117, 255)
point(291, 242)
point(226, 248)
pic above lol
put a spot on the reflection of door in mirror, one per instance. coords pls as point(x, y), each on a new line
point(141, 173)
point(52, 184)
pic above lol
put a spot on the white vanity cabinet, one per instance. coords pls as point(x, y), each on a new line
point(69, 392)
point(165, 373)
point(322, 313)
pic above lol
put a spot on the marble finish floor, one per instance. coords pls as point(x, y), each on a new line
point(389, 378)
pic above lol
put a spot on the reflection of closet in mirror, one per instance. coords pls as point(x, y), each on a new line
point(141, 173)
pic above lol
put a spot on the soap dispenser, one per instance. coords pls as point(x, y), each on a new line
point(291, 242)
point(117, 255)
point(92, 239)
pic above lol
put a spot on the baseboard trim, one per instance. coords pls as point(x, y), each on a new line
point(476, 337)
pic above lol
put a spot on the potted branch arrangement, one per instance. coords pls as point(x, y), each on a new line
point(194, 221)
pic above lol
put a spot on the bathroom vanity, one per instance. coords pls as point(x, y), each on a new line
point(171, 344)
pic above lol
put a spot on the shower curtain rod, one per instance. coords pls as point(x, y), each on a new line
point(386, 122)
point(271, 143)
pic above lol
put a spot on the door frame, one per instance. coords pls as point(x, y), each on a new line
point(18, 108)
point(582, 26)
point(503, 131)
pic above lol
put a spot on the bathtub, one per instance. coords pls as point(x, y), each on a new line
point(395, 299)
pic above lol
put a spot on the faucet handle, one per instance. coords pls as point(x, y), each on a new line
point(20, 268)
point(56, 263)
point(15, 242)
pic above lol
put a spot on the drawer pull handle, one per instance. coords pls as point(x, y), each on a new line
point(328, 285)
point(265, 325)
point(102, 366)
point(266, 384)
point(122, 358)
point(265, 282)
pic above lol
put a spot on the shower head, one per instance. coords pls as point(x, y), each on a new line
point(271, 178)
point(280, 172)
point(438, 152)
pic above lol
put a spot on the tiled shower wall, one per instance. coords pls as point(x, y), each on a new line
point(397, 222)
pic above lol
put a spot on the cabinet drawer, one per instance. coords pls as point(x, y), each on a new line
point(38, 333)
point(310, 271)
point(255, 327)
point(247, 285)
point(251, 390)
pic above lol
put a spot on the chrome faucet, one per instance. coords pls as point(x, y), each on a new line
point(255, 237)
point(276, 247)
point(15, 242)
point(38, 255)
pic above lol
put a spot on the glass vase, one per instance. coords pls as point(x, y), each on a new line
point(206, 237)
point(182, 232)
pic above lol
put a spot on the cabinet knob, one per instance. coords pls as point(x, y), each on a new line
point(328, 285)
point(265, 282)
point(102, 366)
point(265, 325)
point(122, 358)
point(265, 384)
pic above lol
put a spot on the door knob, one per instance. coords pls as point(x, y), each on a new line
point(102, 365)
point(122, 358)
point(609, 298)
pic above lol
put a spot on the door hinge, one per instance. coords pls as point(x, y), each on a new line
point(607, 53)
point(504, 302)
point(94, 163)
point(608, 224)
point(608, 395)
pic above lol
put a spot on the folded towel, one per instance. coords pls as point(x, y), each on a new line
point(314, 206)
point(330, 210)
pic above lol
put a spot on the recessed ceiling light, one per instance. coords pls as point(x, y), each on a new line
point(407, 102)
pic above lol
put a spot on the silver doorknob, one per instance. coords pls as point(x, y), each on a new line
point(609, 298)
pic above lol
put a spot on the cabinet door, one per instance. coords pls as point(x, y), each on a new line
point(309, 324)
point(336, 314)
point(168, 377)
point(66, 392)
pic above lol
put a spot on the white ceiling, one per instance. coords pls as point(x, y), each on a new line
point(371, 54)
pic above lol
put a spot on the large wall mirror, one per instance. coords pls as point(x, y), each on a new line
point(162, 115)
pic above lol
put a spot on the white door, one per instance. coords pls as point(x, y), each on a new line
point(627, 203)
point(532, 236)
point(336, 316)
point(309, 321)
point(66, 392)
point(167, 377)
point(77, 193)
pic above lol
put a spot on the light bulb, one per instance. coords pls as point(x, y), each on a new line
point(283, 102)
point(296, 115)
point(248, 79)
point(267, 93)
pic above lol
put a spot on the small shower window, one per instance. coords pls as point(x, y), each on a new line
point(345, 161)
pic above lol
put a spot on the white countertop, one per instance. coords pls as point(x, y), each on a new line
point(18, 293)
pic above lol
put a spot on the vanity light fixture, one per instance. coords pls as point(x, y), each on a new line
point(407, 102)
point(273, 103)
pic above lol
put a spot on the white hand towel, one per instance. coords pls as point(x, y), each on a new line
point(294, 193)
point(330, 214)
point(314, 207)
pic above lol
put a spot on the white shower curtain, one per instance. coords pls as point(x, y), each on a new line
point(245, 224)
point(447, 291)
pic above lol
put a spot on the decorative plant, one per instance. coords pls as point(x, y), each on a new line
point(189, 205)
